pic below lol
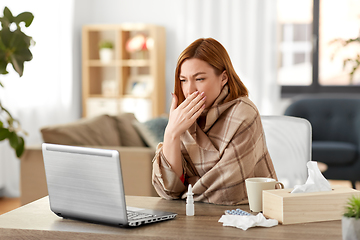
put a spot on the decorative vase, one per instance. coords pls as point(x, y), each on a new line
point(109, 87)
point(350, 228)
point(106, 55)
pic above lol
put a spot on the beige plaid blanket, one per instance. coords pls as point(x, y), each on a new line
point(218, 158)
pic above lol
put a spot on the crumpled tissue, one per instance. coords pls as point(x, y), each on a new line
point(245, 222)
point(316, 182)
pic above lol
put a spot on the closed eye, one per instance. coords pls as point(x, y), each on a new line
point(182, 80)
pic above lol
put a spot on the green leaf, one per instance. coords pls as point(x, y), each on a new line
point(353, 207)
point(17, 44)
point(14, 46)
point(21, 147)
point(6, 38)
point(17, 64)
point(3, 65)
point(26, 17)
point(19, 40)
point(1, 124)
point(18, 59)
point(14, 141)
point(4, 133)
point(8, 15)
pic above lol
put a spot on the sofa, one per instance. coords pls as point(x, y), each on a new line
point(136, 142)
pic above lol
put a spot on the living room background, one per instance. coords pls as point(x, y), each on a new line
point(50, 90)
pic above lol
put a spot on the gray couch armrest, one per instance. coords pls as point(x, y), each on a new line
point(136, 164)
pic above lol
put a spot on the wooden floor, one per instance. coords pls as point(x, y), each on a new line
point(8, 204)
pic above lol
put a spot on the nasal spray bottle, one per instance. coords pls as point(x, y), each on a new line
point(190, 209)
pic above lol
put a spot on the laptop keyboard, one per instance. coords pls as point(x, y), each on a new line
point(137, 215)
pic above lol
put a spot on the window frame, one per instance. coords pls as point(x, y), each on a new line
point(315, 87)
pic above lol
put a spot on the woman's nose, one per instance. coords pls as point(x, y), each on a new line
point(192, 88)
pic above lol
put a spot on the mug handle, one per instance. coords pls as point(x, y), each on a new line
point(280, 183)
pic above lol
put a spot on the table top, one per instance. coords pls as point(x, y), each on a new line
point(36, 221)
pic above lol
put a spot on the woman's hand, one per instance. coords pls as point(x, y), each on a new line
point(180, 119)
point(183, 116)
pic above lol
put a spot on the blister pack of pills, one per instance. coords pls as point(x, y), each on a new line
point(237, 212)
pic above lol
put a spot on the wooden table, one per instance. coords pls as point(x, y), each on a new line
point(36, 221)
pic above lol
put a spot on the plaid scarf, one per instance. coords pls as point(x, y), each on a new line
point(218, 158)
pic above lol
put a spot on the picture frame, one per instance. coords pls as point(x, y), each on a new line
point(139, 85)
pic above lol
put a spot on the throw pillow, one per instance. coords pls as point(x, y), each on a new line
point(97, 131)
point(152, 131)
point(128, 135)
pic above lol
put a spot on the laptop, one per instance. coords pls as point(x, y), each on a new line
point(86, 184)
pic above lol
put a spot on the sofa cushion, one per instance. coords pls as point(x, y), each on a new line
point(333, 153)
point(98, 131)
point(128, 135)
point(152, 131)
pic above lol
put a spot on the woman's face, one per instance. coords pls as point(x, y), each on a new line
point(198, 75)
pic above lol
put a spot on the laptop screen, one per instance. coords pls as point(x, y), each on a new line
point(85, 183)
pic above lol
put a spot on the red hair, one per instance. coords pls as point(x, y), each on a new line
point(212, 52)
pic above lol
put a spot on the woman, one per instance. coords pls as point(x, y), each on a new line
point(214, 139)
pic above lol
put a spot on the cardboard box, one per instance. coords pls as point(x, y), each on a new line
point(290, 208)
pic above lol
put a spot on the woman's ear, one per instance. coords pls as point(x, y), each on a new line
point(224, 78)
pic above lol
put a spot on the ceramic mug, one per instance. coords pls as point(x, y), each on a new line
point(254, 188)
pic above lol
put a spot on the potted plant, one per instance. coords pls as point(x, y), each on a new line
point(14, 49)
point(351, 219)
point(106, 51)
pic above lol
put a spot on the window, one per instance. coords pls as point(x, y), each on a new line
point(310, 46)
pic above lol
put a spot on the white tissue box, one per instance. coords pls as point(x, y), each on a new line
point(290, 208)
